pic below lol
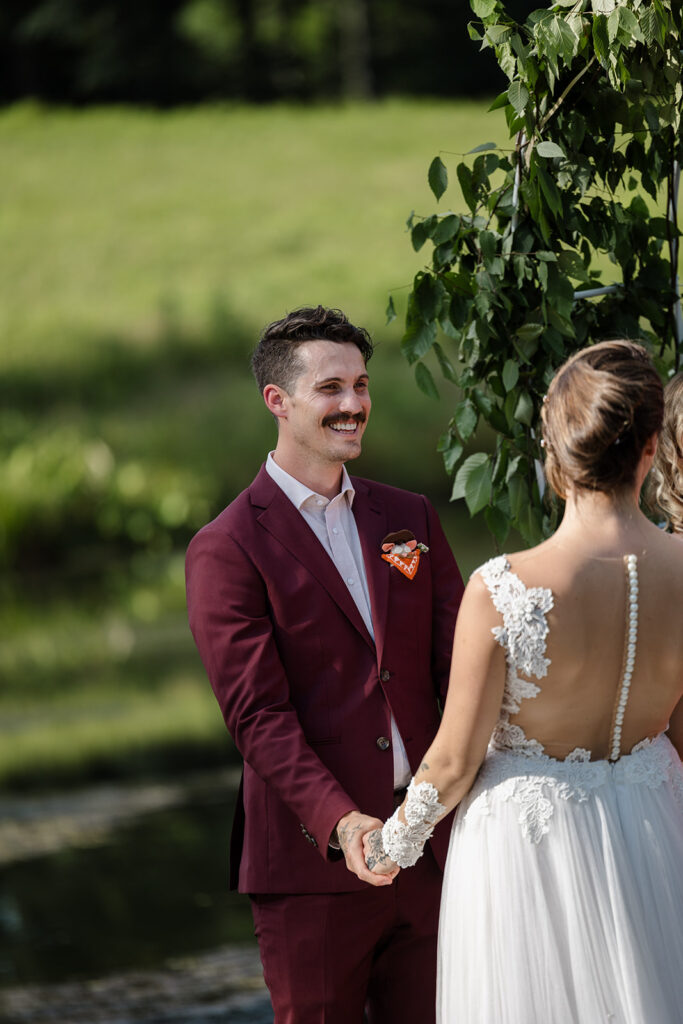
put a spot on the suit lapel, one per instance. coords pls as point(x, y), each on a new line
point(371, 519)
point(284, 522)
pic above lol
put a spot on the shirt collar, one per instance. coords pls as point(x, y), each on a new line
point(299, 493)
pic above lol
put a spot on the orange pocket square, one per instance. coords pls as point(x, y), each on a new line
point(407, 564)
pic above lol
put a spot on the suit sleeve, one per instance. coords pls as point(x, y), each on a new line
point(230, 621)
point(447, 591)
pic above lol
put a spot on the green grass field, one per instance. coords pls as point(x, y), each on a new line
point(142, 253)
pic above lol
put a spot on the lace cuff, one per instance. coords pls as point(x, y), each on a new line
point(404, 841)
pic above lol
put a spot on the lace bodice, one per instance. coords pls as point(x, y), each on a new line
point(517, 768)
point(523, 637)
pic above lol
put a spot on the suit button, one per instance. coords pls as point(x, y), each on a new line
point(385, 675)
point(383, 743)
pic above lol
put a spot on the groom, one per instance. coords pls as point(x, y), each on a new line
point(327, 642)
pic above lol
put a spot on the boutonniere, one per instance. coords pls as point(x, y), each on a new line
point(401, 550)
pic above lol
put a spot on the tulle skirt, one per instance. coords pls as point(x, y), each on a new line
point(563, 893)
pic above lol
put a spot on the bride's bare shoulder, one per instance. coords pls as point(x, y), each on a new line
point(529, 558)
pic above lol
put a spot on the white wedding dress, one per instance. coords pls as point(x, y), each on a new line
point(563, 890)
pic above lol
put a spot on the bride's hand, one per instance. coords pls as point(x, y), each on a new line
point(375, 857)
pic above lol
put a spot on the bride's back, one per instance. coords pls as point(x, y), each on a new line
point(587, 639)
point(600, 421)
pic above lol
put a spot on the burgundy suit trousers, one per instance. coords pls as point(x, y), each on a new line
point(329, 957)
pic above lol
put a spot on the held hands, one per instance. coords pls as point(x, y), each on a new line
point(379, 862)
point(351, 831)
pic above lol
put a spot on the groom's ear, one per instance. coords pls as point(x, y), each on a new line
point(276, 398)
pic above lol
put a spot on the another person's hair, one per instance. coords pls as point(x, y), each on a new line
point(275, 359)
point(602, 406)
point(667, 468)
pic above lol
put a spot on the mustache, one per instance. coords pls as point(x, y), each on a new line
point(359, 417)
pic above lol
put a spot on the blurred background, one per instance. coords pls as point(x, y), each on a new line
point(175, 175)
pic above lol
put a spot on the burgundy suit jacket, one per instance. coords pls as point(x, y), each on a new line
point(305, 692)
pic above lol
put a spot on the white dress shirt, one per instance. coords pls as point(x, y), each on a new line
point(333, 524)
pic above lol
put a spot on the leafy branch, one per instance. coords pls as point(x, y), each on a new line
point(594, 105)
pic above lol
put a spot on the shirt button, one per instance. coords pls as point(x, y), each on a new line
point(385, 675)
point(320, 501)
point(335, 530)
point(383, 743)
point(350, 581)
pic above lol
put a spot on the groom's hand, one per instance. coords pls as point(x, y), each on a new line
point(350, 831)
point(376, 859)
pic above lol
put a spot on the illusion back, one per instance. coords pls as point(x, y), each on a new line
point(593, 661)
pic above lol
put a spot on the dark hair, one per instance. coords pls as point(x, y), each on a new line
point(275, 360)
point(667, 469)
point(601, 408)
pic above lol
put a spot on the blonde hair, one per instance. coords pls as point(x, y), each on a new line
point(667, 469)
point(602, 406)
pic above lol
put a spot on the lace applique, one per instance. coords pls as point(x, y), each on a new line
point(533, 784)
point(523, 636)
point(517, 768)
point(404, 841)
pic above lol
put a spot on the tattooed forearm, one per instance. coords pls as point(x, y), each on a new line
point(375, 855)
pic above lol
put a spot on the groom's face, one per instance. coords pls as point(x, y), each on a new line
point(328, 405)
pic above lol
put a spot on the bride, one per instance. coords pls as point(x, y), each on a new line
point(667, 469)
point(561, 739)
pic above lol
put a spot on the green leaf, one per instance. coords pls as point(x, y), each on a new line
point(613, 26)
point(419, 234)
point(498, 523)
point(571, 263)
point(446, 228)
point(524, 410)
point(451, 456)
point(425, 381)
point(447, 368)
point(482, 401)
point(550, 191)
point(518, 493)
point(630, 25)
point(391, 310)
point(549, 149)
point(530, 525)
point(483, 147)
point(488, 244)
point(529, 332)
point(648, 24)
point(417, 340)
point(601, 39)
point(428, 292)
point(465, 179)
point(437, 177)
point(501, 100)
point(661, 227)
point(466, 418)
point(483, 8)
point(473, 482)
point(510, 374)
point(513, 467)
point(518, 95)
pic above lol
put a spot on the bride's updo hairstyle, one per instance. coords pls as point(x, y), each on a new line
point(601, 408)
point(667, 469)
